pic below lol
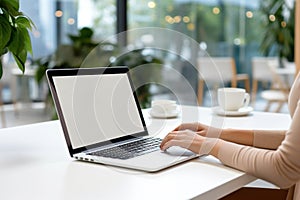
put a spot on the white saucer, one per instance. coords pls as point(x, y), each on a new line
point(241, 112)
point(171, 114)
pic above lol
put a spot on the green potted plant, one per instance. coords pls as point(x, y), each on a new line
point(68, 55)
point(279, 24)
point(14, 33)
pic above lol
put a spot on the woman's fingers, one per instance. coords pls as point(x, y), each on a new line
point(168, 138)
point(189, 126)
point(169, 144)
point(183, 139)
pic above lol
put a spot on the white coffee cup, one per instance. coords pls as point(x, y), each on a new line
point(163, 108)
point(232, 99)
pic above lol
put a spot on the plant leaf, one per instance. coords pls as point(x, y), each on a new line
point(86, 32)
point(11, 3)
point(5, 32)
point(1, 69)
point(25, 39)
point(21, 59)
point(16, 44)
point(11, 6)
point(40, 73)
point(23, 22)
point(20, 40)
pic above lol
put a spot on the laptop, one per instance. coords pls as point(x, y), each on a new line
point(102, 120)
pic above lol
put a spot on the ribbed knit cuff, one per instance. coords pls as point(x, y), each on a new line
point(207, 146)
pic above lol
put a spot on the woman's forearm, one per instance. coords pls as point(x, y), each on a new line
point(269, 139)
point(245, 137)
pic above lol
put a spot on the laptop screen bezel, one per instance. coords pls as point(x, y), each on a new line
point(51, 73)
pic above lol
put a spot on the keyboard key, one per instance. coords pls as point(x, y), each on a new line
point(130, 150)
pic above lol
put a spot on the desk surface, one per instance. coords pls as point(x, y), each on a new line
point(35, 164)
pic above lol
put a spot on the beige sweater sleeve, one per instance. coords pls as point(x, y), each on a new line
point(268, 139)
point(281, 166)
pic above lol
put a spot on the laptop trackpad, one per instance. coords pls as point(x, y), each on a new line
point(178, 151)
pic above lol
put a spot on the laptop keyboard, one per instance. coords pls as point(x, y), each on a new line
point(131, 149)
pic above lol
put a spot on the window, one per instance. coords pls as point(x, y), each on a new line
point(223, 27)
point(54, 20)
point(43, 36)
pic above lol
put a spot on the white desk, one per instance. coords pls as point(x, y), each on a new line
point(34, 164)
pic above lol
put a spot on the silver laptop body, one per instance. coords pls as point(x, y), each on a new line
point(98, 110)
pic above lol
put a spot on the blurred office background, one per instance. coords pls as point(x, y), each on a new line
point(222, 28)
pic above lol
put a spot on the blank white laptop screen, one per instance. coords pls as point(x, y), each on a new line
point(97, 108)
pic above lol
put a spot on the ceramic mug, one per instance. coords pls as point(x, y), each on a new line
point(232, 99)
point(163, 106)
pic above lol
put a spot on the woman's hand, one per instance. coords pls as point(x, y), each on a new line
point(200, 129)
point(239, 136)
point(187, 139)
point(191, 140)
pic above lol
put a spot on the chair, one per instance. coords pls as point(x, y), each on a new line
point(261, 73)
point(218, 71)
point(264, 70)
point(278, 93)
